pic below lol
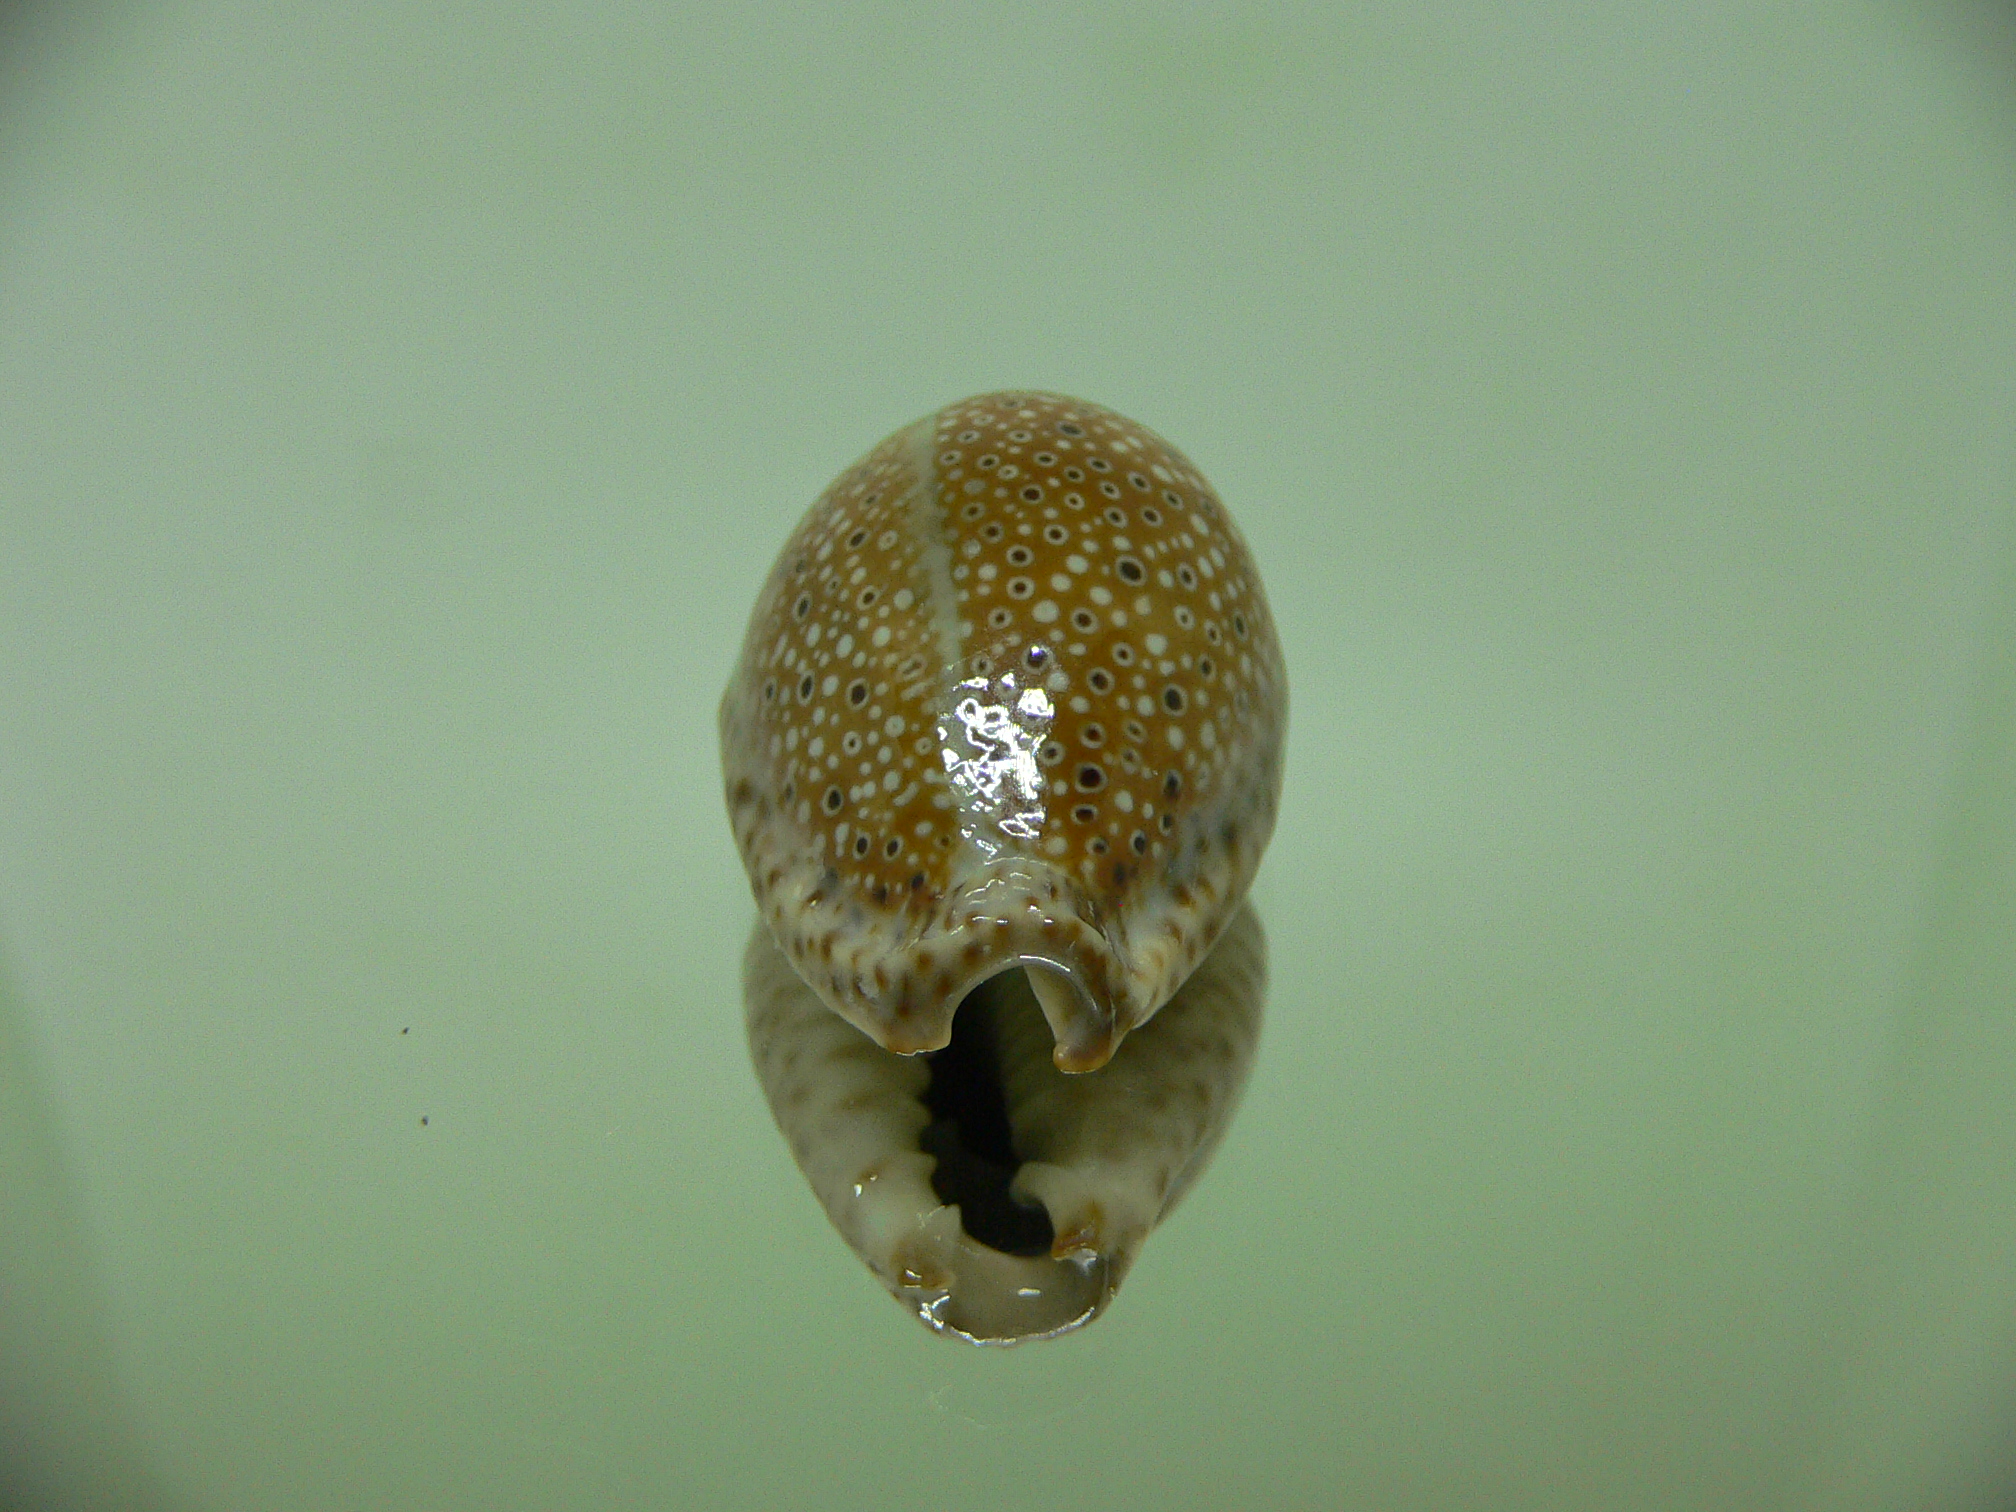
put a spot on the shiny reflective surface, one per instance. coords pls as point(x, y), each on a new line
point(989, 747)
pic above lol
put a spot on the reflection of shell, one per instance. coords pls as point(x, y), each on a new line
point(1011, 698)
point(1105, 1156)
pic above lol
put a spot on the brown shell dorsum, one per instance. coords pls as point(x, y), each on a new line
point(1011, 697)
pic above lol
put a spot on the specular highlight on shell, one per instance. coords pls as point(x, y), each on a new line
point(1006, 731)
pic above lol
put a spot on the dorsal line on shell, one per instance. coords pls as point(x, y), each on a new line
point(934, 541)
point(1083, 1026)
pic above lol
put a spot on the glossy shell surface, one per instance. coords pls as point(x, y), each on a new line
point(1011, 694)
point(1010, 701)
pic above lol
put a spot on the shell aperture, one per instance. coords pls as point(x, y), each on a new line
point(1006, 732)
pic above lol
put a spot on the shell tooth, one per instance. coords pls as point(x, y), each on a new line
point(1076, 1200)
point(1084, 1033)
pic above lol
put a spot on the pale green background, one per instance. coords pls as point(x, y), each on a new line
point(399, 406)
